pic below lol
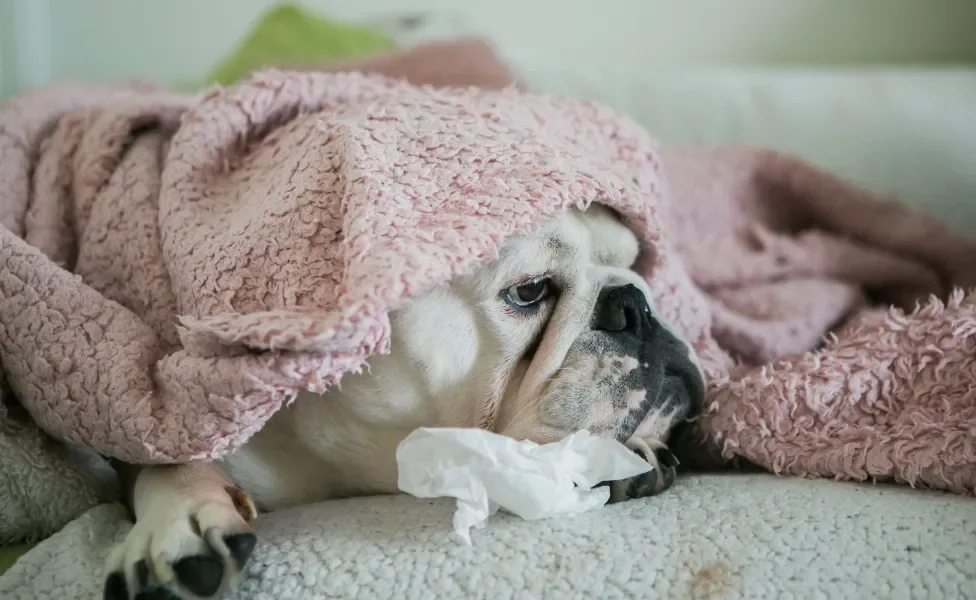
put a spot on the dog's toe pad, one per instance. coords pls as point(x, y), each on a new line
point(202, 575)
point(157, 593)
point(115, 588)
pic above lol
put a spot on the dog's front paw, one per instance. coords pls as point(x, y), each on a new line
point(191, 548)
point(655, 481)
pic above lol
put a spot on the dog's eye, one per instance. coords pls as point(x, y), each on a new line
point(527, 294)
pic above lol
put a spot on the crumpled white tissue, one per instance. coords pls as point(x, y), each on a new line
point(486, 471)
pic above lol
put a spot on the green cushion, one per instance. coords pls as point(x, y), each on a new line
point(8, 556)
point(288, 34)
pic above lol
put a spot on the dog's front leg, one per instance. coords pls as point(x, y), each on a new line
point(191, 536)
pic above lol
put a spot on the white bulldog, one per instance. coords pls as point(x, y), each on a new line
point(555, 336)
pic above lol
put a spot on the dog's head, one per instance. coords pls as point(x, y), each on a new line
point(556, 335)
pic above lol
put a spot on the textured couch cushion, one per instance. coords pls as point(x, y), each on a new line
point(717, 536)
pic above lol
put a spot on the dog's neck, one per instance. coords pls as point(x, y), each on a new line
point(341, 443)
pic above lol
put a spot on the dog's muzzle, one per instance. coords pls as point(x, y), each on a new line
point(667, 371)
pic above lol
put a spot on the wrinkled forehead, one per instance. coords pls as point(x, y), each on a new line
point(572, 241)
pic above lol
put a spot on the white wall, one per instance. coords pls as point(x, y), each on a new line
point(178, 40)
point(25, 46)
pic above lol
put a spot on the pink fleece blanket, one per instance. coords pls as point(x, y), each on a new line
point(175, 268)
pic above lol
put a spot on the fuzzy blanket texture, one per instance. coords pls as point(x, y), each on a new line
point(173, 268)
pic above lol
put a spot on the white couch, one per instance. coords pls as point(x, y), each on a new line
point(909, 133)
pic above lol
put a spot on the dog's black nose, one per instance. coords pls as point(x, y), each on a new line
point(623, 309)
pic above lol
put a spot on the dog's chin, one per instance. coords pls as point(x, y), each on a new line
point(671, 406)
point(667, 409)
point(673, 398)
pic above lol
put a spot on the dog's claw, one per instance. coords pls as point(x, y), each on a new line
point(241, 545)
point(666, 459)
point(201, 575)
point(142, 574)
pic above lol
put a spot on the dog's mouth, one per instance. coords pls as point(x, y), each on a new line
point(684, 381)
point(675, 391)
point(613, 386)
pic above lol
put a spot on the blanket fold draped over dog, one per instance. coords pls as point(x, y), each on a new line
point(173, 269)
